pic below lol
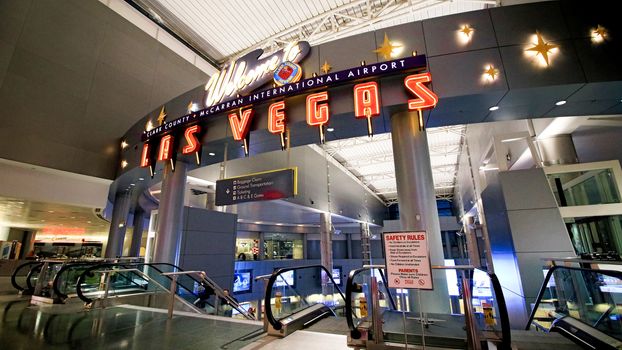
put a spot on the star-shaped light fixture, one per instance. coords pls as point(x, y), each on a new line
point(543, 49)
point(191, 107)
point(161, 116)
point(491, 73)
point(149, 125)
point(465, 32)
point(387, 49)
point(326, 67)
point(599, 34)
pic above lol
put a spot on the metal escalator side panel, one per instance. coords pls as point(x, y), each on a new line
point(584, 335)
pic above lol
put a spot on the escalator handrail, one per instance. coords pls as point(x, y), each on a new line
point(229, 298)
point(504, 317)
point(125, 265)
point(354, 332)
point(32, 271)
point(66, 267)
point(83, 276)
point(547, 278)
point(14, 275)
point(276, 324)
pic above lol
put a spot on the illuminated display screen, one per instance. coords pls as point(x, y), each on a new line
point(481, 284)
point(285, 279)
point(336, 274)
point(243, 281)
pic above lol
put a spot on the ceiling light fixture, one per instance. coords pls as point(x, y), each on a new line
point(211, 154)
point(560, 103)
point(493, 108)
point(124, 144)
point(599, 34)
point(465, 33)
point(542, 49)
point(329, 129)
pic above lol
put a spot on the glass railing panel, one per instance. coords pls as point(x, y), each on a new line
point(296, 289)
point(595, 186)
point(590, 296)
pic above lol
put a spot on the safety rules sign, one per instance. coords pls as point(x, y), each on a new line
point(408, 260)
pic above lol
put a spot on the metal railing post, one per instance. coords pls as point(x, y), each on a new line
point(106, 288)
point(376, 316)
point(171, 303)
point(471, 326)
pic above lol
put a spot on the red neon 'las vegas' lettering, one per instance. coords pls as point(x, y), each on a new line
point(166, 148)
point(425, 98)
point(366, 100)
point(192, 142)
point(240, 123)
point(317, 108)
point(276, 117)
point(145, 161)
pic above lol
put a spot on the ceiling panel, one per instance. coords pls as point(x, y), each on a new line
point(225, 29)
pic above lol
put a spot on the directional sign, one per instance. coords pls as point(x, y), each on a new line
point(408, 260)
point(264, 186)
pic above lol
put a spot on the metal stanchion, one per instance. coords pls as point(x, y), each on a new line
point(173, 291)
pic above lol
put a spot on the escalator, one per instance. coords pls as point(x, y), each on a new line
point(303, 297)
point(581, 300)
point(126, 280)
point(378, 316)
point(150, 284)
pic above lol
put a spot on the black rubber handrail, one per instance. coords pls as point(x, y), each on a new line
point(89, 273)
point(547, 278)
point(127, 265)
point(276, 324)
point(504, 317)
point(66, 267)
point(31, 273)
point(14, 275)
point(354, 332)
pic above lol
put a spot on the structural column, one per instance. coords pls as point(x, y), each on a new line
point(416, 198)
point(118, 224)
point(170, 215)
point(137, 233)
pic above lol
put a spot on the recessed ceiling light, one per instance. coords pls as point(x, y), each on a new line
point(50, 211)
point(560, 103)
point(493, 108)
point(212, 154)
point(141, 178)
point(330, 129)
point(132, 184)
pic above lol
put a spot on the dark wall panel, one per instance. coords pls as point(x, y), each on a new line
point(74, 77)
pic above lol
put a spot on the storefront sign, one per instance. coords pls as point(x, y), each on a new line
point(257, 187)
point(408, 260)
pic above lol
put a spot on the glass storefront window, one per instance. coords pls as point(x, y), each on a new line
point(283, 246)
point(247, 249)
point(584, 187)
point(598, 234)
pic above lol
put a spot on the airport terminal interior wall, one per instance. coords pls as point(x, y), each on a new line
point(74, 76)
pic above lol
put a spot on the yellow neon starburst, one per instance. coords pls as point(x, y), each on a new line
point(542, 48)
point(386, 49)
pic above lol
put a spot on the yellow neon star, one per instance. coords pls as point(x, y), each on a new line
point(161, 116)
point(492, 72)
point(600, 33)
point(386, 49)
point(466, 30)
point(542, 48)
point(326, 67)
